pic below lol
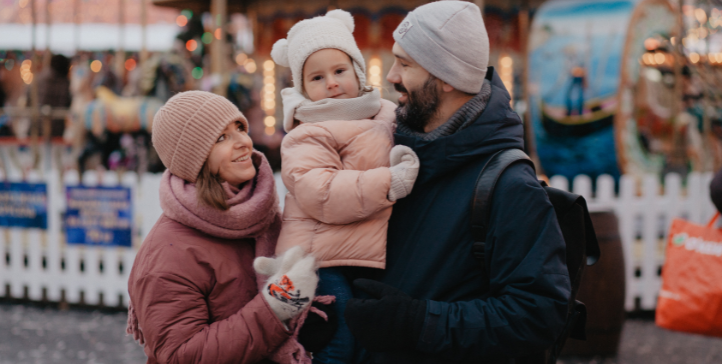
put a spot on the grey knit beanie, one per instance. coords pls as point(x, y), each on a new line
point(186, 128)
point(448, 39)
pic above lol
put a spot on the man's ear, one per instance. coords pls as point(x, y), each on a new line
point(446, 87)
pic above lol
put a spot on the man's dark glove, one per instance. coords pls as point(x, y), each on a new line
point(316, 332)
point(391, 320)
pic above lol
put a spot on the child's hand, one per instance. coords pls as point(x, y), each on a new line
point(292, 283)
point(404, 169)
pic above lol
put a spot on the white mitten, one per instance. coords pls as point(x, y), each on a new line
point(404, 169)
point(292, 281)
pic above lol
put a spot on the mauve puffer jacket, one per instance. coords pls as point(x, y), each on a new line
point(338, 179)
point(197, 301)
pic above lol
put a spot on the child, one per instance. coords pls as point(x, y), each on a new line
point(335, 160)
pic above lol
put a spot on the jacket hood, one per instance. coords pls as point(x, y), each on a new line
point(498, 127)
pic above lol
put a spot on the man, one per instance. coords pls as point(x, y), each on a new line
point(433, 302)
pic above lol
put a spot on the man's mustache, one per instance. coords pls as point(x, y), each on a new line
point(400, 88)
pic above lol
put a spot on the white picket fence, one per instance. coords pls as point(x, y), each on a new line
point(39, 265)
point(645, 209)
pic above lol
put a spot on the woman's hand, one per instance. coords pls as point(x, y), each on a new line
point(292, 283)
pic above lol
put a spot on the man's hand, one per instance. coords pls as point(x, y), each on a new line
point(317, 331)
point(392, 320)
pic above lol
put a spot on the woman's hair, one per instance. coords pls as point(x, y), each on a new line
point(210, 189)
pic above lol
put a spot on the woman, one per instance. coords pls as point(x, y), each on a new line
point(195, 297)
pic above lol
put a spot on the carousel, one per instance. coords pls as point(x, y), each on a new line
point(375, 20)
point(625, 87)
point(115, 73)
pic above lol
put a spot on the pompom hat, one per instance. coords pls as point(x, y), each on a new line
point(186, 128)
point(334, 30)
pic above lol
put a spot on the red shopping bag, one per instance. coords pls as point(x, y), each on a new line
point(691, 296)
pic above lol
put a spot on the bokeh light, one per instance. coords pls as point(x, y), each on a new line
point(269, 121)
point(268, 103)
point(96, 66)
point(130, 64)
point(506, 73)
point(268, 65)
point(207, 38)
point(191, 45)
point(181, 20)
point(241, 59)
point(26, 72)
point(250, 66)
point(700, 15)
point(375, 72)
point(197, 73)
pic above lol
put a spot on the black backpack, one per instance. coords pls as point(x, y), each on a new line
point(576, 226)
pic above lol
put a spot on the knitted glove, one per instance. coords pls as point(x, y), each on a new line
point(404, 169)
point(316, 331)
point(292, 282)
point(392, 320)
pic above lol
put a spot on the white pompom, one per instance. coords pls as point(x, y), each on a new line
point(344, 16)
point(279, 52)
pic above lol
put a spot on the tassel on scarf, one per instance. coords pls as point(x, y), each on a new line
point(132, 327)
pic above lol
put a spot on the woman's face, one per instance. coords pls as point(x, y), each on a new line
point(230, 158)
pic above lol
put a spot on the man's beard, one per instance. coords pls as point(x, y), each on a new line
point(420, 106)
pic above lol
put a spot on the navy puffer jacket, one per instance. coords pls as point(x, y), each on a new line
point(523, 307)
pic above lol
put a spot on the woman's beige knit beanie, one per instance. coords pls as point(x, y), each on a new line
point(186, 128)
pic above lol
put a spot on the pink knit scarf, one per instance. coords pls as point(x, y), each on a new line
point(253, 207)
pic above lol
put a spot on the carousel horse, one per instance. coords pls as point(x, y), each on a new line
point(97, 114)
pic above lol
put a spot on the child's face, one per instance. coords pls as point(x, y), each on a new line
point(329, 73)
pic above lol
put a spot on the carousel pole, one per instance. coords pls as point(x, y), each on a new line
point(34, 109)
point(218, 46)
point(34, 82)
point(678, 153)
point(47, 55)
point(524, 40)
point(706, 126)
point(45, 121)
point(120, 52)
point(143, 32)
point(76, 20)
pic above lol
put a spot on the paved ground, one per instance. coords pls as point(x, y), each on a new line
point(644, 343)
point(46, 335)
point(34, 335)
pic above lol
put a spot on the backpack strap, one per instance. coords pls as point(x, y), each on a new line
point(483, 193)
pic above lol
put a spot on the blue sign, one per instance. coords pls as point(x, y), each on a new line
point(24, 205)
point(98, 216)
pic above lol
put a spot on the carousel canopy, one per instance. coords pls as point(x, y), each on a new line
point(92, 25)
point(233, 6)
point(290, 5)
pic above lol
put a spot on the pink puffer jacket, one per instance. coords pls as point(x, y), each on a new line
point(338, 180)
